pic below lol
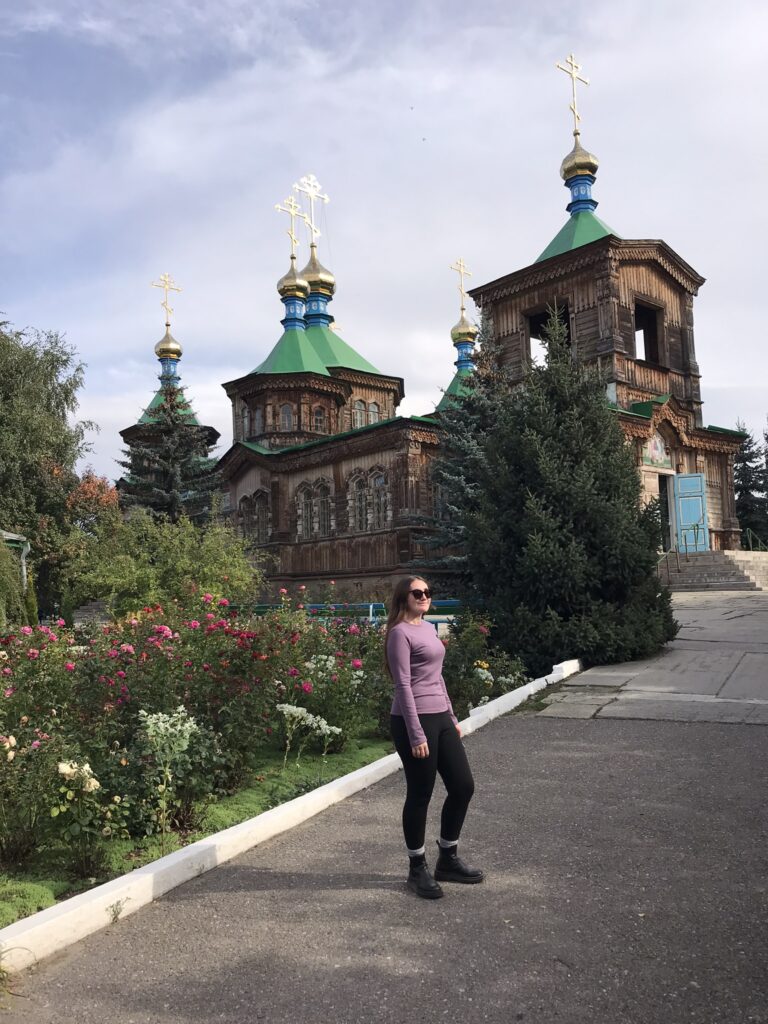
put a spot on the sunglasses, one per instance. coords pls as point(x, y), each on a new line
point(421, 594)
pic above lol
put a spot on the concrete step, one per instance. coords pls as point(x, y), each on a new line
point(732, 585)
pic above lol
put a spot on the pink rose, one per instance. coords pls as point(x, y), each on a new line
point(127, 648)
point(282, 590)
point(26, 630)
point(293, 671)
point(334, 679)
point(223, 603)
point(354, 629)
point(302, 588)
point(207, 598)
point(134, 622)
point(356, 663)
point(306, 686)
point(35, 744)
point(60, 622)
point(33, 653)
point(210, 615)
point(7, 672)
point(9, 692)
point(194, 624)
point(120, 675)
point(70, 666)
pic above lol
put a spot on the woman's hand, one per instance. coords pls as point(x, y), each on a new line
point(422, 750)
point(458, 728)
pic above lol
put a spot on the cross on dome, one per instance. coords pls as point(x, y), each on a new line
point(572, 70)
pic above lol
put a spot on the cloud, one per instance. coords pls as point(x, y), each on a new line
point(437, 130)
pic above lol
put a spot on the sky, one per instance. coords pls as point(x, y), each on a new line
point(152, 137)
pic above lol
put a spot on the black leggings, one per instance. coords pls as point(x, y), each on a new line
point(446, 756)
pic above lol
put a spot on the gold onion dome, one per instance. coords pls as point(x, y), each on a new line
point(578, 161)
point(291, 284)
point(464, 330)
point(168, 347)
point(320, 279)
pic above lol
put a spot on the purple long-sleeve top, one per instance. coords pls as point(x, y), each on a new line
point(415, 654)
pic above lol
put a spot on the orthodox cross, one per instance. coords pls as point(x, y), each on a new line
point(167, 283)
point(461, 269)
point(293, 210)
point(310, 187)
point(572, 71)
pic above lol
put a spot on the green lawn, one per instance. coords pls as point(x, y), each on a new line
point(44, 881)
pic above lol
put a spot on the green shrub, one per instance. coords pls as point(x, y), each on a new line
point(474, 672)
point(11, 591)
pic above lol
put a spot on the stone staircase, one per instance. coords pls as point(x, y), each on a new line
point(753, 563)
point(707, 570)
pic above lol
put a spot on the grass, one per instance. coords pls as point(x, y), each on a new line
point(536, 701)
point(45, 880)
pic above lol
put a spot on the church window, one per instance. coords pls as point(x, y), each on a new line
point(358, 414)
point(647, 333)
point(261, 518)
point(319, 420)
point(258, 421)
point(374, 414)
point(380, 501)
point(305, 513)
point(245, 517)
point(246, 418)
point(324, 510)
point(359, 505)
point(286, 417)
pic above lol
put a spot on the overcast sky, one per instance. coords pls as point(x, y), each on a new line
point(144, 137)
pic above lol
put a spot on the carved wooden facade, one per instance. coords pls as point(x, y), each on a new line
point(617, 296)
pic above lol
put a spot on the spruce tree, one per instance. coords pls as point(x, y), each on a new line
point(749, 477)
point(560, 551)
point(168, 467)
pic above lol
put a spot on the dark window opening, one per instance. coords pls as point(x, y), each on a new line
point(646, 333)
point(536, 324)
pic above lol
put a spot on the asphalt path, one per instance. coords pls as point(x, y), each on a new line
point(627, 882)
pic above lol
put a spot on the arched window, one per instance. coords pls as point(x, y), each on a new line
point(359, 510)
point(305, 513)
point(324, 510)
point(379, 501)
point(246, 422)
point(374, 413)
point(286, 417)
point(245, 517)
point(319, 420)
point(261, 518)
point(358, 414)
point(257, 425)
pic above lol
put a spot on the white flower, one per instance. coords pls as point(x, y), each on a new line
point(68, 769)
point(91, 785)
point(11, 754)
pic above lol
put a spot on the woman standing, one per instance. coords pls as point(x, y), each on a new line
point(427, 737)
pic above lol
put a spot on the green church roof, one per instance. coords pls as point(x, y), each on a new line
point(148, 416)
point(580, 229)
point(334, 351)
point(294, 353)
point(457, 387)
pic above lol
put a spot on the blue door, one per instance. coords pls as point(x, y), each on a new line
point(691, 512)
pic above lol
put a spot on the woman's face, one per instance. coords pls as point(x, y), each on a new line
point(418, 604)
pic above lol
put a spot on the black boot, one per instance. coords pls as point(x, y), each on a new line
point(421, 881)
point(451, 868)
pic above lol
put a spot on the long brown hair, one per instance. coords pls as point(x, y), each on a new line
point(397, 606)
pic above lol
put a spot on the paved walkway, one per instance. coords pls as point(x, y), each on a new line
point(716, 670)
point(626, 885)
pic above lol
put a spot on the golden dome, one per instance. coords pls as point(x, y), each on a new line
point(168, 347)
point(578, 161)
point(291, 284)
point(464, 330)
point(320, 279)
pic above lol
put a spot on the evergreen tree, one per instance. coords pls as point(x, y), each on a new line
point(546, 501)
point(749, 477)
point(168, 467)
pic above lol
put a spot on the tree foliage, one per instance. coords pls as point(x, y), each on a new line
point(12, 610)
point(168, 467)
point(146, 560)
point(543, 495)
point(751, 483)
point(40, 443)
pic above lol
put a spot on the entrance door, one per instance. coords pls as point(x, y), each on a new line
point(666, 510)
point(691, 512)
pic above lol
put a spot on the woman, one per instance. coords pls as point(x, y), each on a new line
point(427, 737)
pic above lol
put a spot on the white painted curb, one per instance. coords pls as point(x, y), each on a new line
point(26, 942)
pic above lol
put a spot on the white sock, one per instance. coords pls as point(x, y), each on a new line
point(446, 844)
point(417, 853)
